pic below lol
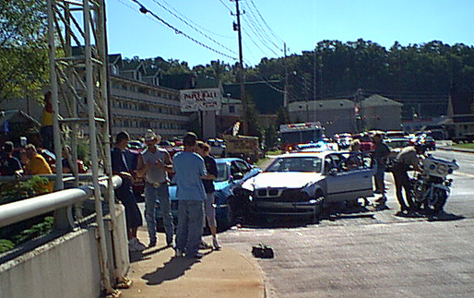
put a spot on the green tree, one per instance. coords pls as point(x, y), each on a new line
point(23, 48)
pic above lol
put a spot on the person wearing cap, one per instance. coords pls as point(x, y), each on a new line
point(381, 154)
point(125, 192)
point(189, 169)
point(9, 165)
point(154, 163)
point(406, 160)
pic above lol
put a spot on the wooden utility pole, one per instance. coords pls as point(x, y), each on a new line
point(285, 95)
point(241, 76)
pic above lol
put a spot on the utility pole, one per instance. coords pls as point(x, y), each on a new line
point(285, 95)
point(241, 76)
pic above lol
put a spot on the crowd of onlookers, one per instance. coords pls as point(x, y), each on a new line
point(193, 171)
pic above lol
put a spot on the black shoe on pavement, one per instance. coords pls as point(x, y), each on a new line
point(197, 255)
point(152, 243)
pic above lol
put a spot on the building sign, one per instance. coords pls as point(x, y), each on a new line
point(193, 100)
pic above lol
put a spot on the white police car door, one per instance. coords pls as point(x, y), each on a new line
point(345, 181)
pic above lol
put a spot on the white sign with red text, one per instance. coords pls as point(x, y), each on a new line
point(193, 100)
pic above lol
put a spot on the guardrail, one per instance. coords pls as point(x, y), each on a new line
point(59, 201)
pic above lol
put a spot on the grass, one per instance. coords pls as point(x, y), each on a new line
point(274, 152)
point(465, 145)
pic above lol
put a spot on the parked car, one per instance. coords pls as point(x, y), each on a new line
point(426, 141)
point(232, 172)
point(343, 140)
point(366, 143)
point(300, 183)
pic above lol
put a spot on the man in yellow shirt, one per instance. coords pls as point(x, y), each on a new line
point(37, 165)
point(47, 123)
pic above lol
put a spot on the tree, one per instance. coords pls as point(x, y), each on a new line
point(23, 49)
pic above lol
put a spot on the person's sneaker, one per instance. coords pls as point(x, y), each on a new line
point(152, 243)
point(179, 253)
point(197, 255)
point(216, 244)
point(204, 245)
point(382, 200)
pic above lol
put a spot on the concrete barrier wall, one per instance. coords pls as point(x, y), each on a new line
point(65, 267)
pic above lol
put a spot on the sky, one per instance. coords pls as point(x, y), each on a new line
point(268, 24)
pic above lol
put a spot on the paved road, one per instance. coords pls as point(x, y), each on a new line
point(372, 253)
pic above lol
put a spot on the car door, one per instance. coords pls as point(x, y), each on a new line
point(345, 181)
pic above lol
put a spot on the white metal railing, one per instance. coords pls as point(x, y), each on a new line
point(59, 201)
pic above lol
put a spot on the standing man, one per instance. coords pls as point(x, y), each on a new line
point(189, 169)
point(203, 150)
point(47, 123)
point(154, 164)
point(407, 159)
point(381, 154)
point(125, 193)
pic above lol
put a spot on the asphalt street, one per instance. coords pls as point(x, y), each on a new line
point(366, 252)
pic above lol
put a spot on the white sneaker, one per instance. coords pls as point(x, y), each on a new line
point(216, 244)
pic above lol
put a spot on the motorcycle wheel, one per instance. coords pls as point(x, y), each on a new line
point(436, 203)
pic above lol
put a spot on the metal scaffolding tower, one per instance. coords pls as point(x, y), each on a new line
point(79, 84)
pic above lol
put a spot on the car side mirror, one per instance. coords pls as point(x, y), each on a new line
point(332, 172)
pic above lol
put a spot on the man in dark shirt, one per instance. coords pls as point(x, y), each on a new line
point(125, 193)
point(381, 154)
point(9, 165)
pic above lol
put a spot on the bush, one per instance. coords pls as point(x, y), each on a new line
point(15, 234)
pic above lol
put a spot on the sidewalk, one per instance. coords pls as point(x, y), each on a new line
point(226, 273)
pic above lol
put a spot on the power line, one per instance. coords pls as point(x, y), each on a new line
point(258, 33)
point(223, 3)
point(194, 28)
point(266, 24)
point(196, 24)
point(260, 28)
point(144, 10)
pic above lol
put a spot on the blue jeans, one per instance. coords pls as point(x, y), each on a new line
point(152, 196)
point(189, 232)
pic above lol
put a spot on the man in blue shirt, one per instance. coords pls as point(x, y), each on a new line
point(189, 168)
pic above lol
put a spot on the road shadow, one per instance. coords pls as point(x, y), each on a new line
point(136, 256)
point(441, 216)
point(350, 210)
point(331, 211)
point(171, 270)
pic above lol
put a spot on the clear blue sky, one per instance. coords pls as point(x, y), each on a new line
point(299, 23)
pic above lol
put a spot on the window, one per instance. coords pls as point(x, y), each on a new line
point(232, 109)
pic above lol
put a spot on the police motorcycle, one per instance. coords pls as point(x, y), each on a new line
point(430, 188)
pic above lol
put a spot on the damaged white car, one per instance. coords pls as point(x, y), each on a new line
point(300, 183)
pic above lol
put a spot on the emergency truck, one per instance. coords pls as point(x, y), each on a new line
point(294, 134)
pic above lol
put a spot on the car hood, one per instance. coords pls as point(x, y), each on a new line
point(220, 185)
point(279, 180)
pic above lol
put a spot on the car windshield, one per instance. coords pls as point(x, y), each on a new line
point(296, 164)
point(222, 172)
